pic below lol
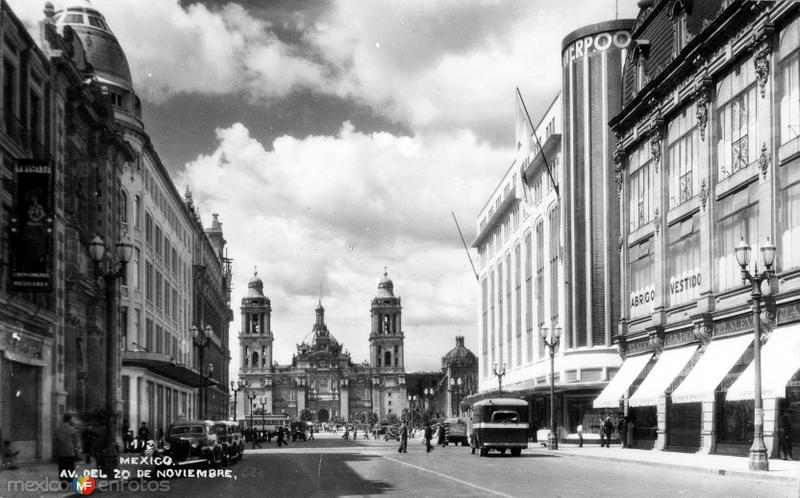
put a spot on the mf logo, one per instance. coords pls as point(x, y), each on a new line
point(84, 485)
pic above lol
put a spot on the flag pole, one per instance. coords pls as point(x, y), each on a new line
point(465, 247)
point(533, 128)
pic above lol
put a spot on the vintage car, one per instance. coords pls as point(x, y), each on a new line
point(456, 431)
point(500, 424)
point(192, 442)
point(299, 430)
point(231, 440)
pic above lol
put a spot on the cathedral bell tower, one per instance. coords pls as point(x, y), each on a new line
point(386, 343)
point(255, 343)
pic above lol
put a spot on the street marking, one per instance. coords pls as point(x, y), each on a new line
point(487, 490)
point(319, 468)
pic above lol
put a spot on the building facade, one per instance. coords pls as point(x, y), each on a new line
point(322, 378)
point(708, 157)
point(460, 368)
point(548, 265)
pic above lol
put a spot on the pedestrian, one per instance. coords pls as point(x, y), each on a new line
point(786, 437)
point(440, 437)
point(281, 440)
point(346, 434)
point(355, 433)
point(66, 448)
point(580, 435)
point(403, 439)
point(126, 436)
point(143, 436)
point(310, 432)
point(428, 436)
point(607, 430)
point(622, 428)
point(630, 439)
point(160, 437)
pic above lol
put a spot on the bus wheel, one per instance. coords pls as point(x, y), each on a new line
point(484, 452)
point(516, 452)
point(502, 451)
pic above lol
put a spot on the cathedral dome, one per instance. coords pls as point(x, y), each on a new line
point(102, 48)
point(255, 287)
point(459, 354)
point(385, 286)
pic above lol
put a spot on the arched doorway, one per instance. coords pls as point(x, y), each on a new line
point(322, 415)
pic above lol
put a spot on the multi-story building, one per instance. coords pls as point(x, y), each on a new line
point(164, 284)
point(546, 245)
point(708, 157)
point(322, 377)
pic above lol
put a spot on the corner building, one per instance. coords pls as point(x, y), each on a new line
point(547, 261)
point(708, 156)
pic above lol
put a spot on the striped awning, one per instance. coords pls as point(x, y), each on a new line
point(628, 372)
point(780, 360)
point(714, 365)
point(668, 366)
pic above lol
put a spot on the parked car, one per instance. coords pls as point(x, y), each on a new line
point(191, 442)
point(230, 437)
point(456, 431)
point(391, 432)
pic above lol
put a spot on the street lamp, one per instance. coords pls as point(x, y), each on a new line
point(201, 339)
point(97, 251)
point(500, 372)
point(263, 402)
point(552, 344)
point(758, 452)
point(235, 388)
point(455, 386)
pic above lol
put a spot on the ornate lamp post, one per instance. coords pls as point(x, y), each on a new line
point(263, 402)
point(201, 339)
point(552, 344)
point(500, 372)
point(412, 404)
point(97, 251)
point(252, 397)
point(430, 393)
point(758, 452)
point(235, 388)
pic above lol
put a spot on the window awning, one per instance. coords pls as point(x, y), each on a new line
point(780, 360)
point(630, 369)
point(668, 366)
point(713, 366)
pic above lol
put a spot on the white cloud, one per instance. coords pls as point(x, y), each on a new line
point(332, 211)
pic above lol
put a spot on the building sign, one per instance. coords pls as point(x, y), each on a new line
point(596, 43)
point(32, 226)
point(638, 347)
point(680, 337)
point(685, 283)
point(733, 325)
point(789, 313)
point(642, 300)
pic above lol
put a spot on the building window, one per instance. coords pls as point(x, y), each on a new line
point(685, 276)
point(159, 293)
point(9, 93)
point(491, 313)
point(137, 329)
point(500, 310)
point(157, 238)
point(680, 34)
point(738, 106)
point(641, 186)
point(508, 306)
point(137, 267)
point(137, 207)
point(683, 155)
point(737, 219)
point(641, 281)
point(540, 284)
point(528, 298)
point(148, 229)
point(148, 339)
point(789, 215)
point(518, 300)
point(789, 71)
point(148, 280)
point(159, 339)
point(640, 74)
point(554, 247)
point(485, 324)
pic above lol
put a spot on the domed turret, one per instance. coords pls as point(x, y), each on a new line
point(459, 354)
point(385, 286)
point(255, 287)
point(103, 51)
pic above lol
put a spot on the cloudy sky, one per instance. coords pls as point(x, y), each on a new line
point(335, 137)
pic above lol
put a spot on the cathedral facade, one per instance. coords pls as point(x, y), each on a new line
point(322, 377)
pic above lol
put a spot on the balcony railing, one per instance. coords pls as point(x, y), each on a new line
point(24, 137)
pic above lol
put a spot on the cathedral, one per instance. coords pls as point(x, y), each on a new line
point(321, 377)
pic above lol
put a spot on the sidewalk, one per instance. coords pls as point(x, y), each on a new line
point(40, 478)
point(779, 470)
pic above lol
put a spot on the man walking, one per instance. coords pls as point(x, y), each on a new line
point(144, 435)
point(403, 439)
point(66, 448)
point(428, 436)
point(607, 430)
point(310, 432)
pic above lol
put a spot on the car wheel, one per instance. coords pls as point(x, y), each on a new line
point(516, 452)
point(484, 452)
point(502, 451)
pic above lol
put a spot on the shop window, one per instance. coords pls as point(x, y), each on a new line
point(640, 186)
point(683, 156)
point(641, 281)
point(685, 275)
point(737, 219)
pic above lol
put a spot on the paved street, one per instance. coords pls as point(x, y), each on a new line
point(331, 466)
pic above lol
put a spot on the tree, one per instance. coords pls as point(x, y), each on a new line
point(392, 419)
point(373, 418)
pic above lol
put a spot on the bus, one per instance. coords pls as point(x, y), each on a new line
point(269, 422)
point(500, 424)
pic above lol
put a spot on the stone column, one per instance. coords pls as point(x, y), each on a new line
point(344, 401)
point(661, 414)
point(708, 433)
point(133, 391)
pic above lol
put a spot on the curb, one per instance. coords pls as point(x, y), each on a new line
point(703, 470)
